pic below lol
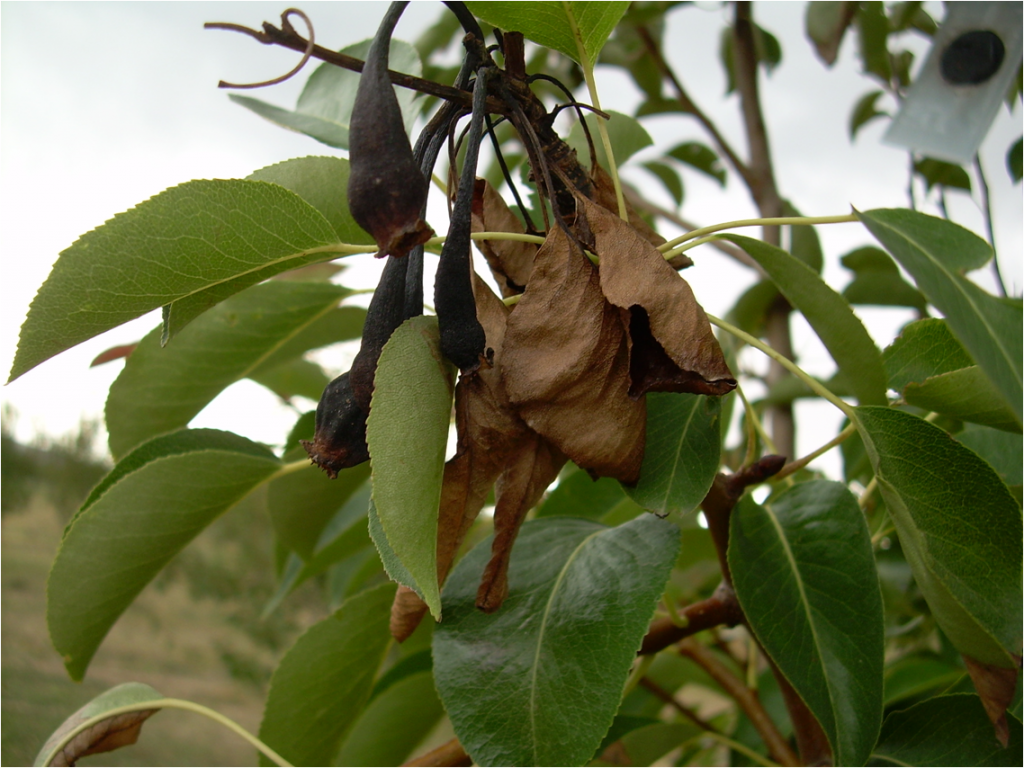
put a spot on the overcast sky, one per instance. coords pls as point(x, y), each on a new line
point(106, 104)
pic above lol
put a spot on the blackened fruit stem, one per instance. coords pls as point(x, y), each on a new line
point(386, 189)
point(462, 337)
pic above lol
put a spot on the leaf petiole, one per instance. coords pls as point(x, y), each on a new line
point(778, 221)
point(188, 706)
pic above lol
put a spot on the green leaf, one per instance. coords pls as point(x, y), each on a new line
point(138, 518)
point(805, 576)
point(681, 458)
point(917, 674)
point(539, 682)
point(344, 536)
point(323, 683)
point(579, 495)
point(323, 183)
point(767, 49)
point(959, 528)
point(751, 308)
point(878, 282)
point(58, 750)
point(669, 178)
point(932, 370)
point(839, 329)
point(803, 240)
point(324, 109)
point(864, 111)
point(297, 377)
point(1003, 451)
point(301, 503)
point(550, 24)
point(341, 324)
point(826, 24)
point(626, 134)
point(701, 158)
point(394, 723)
point(937, 253)
point(393, 566)
point(161, 389)
point(946, 730)
point(407, 433)
point(1015, 160)
point(937, 173)
point(193, 245)
point(873, 29)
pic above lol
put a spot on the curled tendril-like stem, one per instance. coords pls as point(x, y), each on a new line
point(286, 25)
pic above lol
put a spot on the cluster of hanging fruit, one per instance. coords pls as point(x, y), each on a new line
point(561, 373)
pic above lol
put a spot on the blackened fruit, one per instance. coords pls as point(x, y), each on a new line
point(340, 439)
point(462, 337)
point(386, 189)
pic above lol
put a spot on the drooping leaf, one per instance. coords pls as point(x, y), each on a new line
point(1015, 160)
point(407, 433)
point(937, 253)
point(511, 262)
point(324, 108)
point(301, 503)
point(839, 329)
point(539, 682)
point(878, 281)
point(959, 528)
point(394, 723)
point(138, 518)
point(932, 370)
point(626, 134)
point(938, 173)
point(873, 34)
point(826, 24)
point(946, 730)
point(161, 389)
point(551, 24)
point(191, 246)
point(66, 747)
point(669, 178)
point(701, 158)
point(805, 576)
point(684, 434)
point(864, 111)
point(322, 684)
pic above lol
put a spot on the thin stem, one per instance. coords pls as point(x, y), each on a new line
point(682, 709)
point(764, 222)
point(449, 753)
point(799, 464)
point(743, 748)
point(602, 128)
point(754, 420)
point(789, 365)
point(747, 700)
point(289, 468)
point(986, 206)
point(156, 704)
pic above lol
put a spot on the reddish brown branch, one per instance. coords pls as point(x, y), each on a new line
point(721, 609)
point(669, 699)
point(449, 753)
point(747, 699)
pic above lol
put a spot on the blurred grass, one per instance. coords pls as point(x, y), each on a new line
point(195, 633)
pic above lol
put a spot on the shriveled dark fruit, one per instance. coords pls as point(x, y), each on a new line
point(340, 438)
point(462, 337)
point(386, 189)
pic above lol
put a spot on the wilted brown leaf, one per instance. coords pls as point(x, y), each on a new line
point(122, 351)
point(511, 262)
point(604, 196)
point(106, 736)
point(566, 365)
point(995, 687)
point(672, 346)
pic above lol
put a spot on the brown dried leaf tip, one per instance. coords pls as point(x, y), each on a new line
point(386, 189)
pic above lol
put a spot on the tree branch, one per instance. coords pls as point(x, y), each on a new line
point(449, 753)
point(669, 699)
point(721, 609)
point(748, 701)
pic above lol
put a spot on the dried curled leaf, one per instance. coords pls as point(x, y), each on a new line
point(995, 687)
point(566, 365)
point(672, 346)
point(511, 261)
